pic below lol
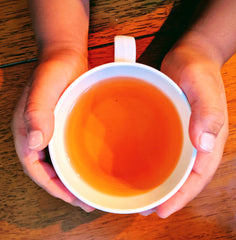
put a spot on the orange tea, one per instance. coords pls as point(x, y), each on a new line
point(123, 136)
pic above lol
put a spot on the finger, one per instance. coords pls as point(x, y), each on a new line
point(208, 106)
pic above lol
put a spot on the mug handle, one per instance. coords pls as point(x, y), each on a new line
point(125, 49)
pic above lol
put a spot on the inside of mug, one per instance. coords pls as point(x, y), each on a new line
point(102, 201)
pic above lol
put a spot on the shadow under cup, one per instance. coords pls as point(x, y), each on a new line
point(76, 184)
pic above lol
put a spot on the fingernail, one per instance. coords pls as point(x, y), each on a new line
point(84, 206)
point(207, 142)
point(148, 212)
point(35, 139)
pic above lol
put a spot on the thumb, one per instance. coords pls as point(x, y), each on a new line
point(205, 124)
point(208, 107)
point(39, 123)
point(48, 82)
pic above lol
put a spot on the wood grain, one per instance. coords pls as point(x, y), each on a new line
point(107, 18)
point(16, 34)
point(27, 212)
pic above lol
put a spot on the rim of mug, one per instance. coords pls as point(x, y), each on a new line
point(64, 97)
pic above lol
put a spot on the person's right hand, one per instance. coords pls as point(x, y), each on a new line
point(193, 63)
point(33, 120)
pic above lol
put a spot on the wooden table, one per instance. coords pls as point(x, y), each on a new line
point(27, 211)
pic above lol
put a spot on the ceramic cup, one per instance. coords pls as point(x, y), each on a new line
point(124, 65)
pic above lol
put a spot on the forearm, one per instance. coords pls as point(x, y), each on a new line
point(214, 31)
point(61, 24)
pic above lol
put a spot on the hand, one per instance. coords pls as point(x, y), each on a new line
point(193, 65)
point(33, 119)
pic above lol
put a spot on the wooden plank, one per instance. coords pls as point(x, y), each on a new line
point(229, 76)
point(131, 17)
point(16, 36)
point(108, 18)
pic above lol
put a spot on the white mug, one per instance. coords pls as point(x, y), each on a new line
point(125, 65)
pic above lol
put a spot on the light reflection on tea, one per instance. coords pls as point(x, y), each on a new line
point(123, 136)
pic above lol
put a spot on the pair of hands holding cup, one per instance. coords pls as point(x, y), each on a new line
point(192, 63)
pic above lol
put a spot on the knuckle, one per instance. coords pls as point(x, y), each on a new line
point(28, 116)
point(218, 120)
point(30, 113)
point(215, 120)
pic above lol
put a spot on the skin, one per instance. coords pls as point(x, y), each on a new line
point(194, 63)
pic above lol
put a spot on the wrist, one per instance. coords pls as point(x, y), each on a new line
point(65, 54)
point(192, 53)
point(62, 49)
point(197, 42)
point(65, 63)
